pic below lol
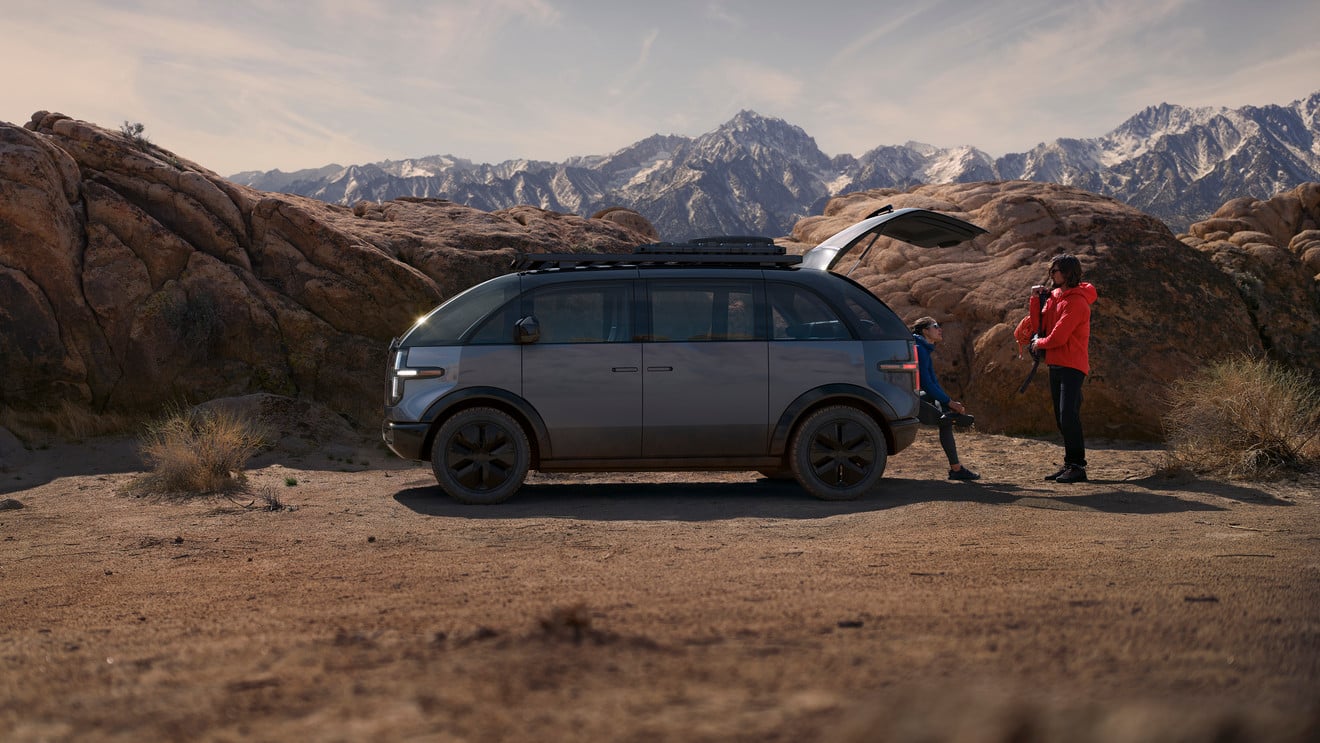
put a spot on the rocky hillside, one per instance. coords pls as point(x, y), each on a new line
point(760, 175)
point(131, 278)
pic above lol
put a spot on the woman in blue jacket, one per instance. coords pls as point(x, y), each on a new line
point(927, 332)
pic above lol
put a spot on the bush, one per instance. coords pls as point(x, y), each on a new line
point(136, 133)
point(1244, 417)
point(197, 452)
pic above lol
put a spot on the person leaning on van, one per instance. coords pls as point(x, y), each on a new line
point(935, 402)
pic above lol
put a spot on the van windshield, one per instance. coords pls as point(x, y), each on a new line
point(447, 324)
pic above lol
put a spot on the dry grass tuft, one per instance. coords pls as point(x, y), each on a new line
point(1244, 418)
point(195, 452)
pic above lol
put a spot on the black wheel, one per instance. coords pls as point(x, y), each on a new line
point(838, 453)
point(480, 456)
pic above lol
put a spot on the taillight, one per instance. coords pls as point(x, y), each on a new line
point(916, 368)
point(905, 367)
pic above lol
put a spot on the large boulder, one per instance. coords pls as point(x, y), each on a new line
point(131, 278)
point(1164, 309)
point(1271, 251)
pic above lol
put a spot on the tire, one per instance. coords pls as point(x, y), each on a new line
point(480, 456)
point(838, 453)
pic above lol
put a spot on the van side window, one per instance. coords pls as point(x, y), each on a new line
point(594, 312)
point(871, 317)
point(459, 317)
point(498, 328)
point(702, 310)
point(799, 314)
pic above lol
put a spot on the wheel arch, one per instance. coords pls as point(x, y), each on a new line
point(812, 400)
point(490, 397)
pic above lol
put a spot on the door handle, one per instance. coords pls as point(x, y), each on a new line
point(659, 368)
point(624, 369)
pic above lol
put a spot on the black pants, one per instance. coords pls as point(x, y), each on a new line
point(1066, 392)
point(930, 415)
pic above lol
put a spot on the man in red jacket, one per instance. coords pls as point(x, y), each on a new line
point(1065, 332)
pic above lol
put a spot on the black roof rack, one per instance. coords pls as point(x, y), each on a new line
point(733, 244)
point(740, 251)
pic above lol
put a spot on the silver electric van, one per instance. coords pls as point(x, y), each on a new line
point(721, 353)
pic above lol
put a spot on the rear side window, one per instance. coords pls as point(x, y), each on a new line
point(595, 312)
point(704, 310)
point(799, 314)
point(872, 318)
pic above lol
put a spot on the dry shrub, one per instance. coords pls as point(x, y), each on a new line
point(196, 452)
point(1244, 417)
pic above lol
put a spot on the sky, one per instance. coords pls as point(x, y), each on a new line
point(245, 85)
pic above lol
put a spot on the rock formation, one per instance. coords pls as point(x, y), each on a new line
point(130, 277)
point(1164, 309)
point(1271, 251)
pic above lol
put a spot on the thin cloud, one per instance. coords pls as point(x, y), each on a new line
point(720, 13)
point(626, 79)
point(867, 42)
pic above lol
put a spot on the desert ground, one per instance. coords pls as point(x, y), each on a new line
point(1139, 606)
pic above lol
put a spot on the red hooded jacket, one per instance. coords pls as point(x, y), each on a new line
point(1067, 326)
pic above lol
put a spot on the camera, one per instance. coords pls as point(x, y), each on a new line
point(1036, 353)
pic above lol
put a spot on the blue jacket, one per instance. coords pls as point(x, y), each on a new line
point(926, 368)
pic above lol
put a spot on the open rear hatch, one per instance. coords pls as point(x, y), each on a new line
point(920, 227)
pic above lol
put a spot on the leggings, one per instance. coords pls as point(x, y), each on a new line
point(946, 441)
point(930, 415)
point(1066, 393)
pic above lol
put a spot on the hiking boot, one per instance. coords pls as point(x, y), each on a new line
point(1072, 473)
point(963, 474)
point(1055, 476)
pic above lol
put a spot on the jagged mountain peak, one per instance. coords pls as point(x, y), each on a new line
point(1309, 108)
point(748, 127)
point(749, 120)
point(749, 136)
point(921, 148)
point(1166, 118)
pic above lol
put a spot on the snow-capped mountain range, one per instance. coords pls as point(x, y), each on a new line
point(759, 175)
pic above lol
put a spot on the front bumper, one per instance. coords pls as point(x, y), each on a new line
point(408, 440)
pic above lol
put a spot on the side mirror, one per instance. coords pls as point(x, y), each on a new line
point(527, 330)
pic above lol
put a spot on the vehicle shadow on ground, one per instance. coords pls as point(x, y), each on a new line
point(685, 501)
point(712, 501)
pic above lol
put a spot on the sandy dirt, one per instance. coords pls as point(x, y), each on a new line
point(657, 607)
